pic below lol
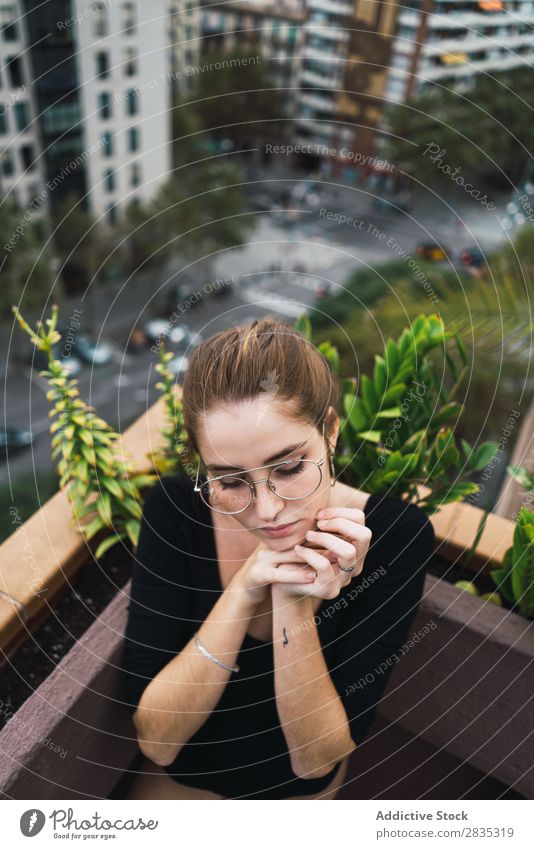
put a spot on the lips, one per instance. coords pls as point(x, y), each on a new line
point(279, 530)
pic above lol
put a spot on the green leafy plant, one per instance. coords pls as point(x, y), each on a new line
point(396, 432)
point(168, 459)
point(104, 487)
point(515, 580)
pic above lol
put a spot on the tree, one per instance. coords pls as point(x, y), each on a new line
point(486, 131)
point(26, 268)
point(80, 243)
point(233, 97)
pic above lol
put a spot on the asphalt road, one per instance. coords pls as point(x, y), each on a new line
point(277, 272)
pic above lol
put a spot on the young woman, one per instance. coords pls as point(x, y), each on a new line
point(268, 600)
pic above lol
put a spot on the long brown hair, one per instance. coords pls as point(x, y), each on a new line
point(242, 362)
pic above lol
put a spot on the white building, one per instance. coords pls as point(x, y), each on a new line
point(21, 173)
point(326, 41)
point(450, 41)
point(123, 65)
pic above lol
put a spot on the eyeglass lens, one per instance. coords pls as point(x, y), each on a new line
point(289, 481)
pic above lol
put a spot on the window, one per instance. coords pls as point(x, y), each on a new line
point(109, 180)
point(112, 213)
point(7, 22)
point(102, 64)
point(14, 71)
point(107, 144)
point(21, 115)
point(133, 139)
point(62, 116)
point(128, 18)
point(130, 62)
point(3, 121)
point(100, 18)
point(132, 102)
point(6, 163)
point(135, 174)
point(104, 105)
point(26, 153)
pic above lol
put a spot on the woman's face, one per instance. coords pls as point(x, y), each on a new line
point(252, 434)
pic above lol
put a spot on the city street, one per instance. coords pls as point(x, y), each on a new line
point(289, 255)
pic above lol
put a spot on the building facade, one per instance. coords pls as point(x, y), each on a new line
point(448, 42)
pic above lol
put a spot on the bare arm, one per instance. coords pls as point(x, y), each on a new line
point(180, 698)
point(312, 716)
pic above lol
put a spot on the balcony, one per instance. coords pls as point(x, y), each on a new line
point(458, 736)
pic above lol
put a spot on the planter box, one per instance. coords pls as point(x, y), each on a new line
point(467, 685)
point(73, 739)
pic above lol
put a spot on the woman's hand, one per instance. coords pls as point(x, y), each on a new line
point(343, 540)
point(265, 567)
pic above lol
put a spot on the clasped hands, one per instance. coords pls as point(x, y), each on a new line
point(341, 542)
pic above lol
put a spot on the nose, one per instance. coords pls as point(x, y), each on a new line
point(267, 503)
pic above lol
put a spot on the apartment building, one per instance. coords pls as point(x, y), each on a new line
point(273, 29)
point(21, 167)
point(86, 93)
point(448, 42)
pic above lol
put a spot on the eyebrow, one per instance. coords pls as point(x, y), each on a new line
point(271, 459)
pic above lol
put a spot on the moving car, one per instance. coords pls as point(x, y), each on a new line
point(432, 251)
point(473, 258)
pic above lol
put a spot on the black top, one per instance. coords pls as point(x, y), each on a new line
point(240, 751)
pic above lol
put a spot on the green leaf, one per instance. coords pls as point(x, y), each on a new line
point(370, 435)
point(392, 358)
point(103, 506)
point(92, 528)
point(108, 543)
point(392, 413)
point(380, 375)
point(303, 325)
point(484, 454)
point(370, 398)
point(133, 528)
point(356, 412)
point(113, 486)
point(393, 394)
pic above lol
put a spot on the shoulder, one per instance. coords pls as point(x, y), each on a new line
point(396, 521)
point(169, 494)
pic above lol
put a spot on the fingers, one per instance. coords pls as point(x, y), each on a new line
point(340, 547)
point(283, 575)
point(351, 513)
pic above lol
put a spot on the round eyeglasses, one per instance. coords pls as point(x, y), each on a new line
point(291, 480)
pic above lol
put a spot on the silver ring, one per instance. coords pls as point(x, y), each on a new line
point(350, 569)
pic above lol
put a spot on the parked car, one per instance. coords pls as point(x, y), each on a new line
point(14, 439)
point(176, 336)
point(98, 353)
point(432, 251)
point(473, 258)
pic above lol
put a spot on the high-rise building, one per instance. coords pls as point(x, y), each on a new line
point(97, 78)
point(448, 42)
point(21, 164)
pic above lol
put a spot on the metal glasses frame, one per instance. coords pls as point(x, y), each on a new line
point(251, 486)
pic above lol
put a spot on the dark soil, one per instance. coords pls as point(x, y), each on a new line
point(90, 591)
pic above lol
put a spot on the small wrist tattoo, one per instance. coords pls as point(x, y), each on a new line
point(285, 639)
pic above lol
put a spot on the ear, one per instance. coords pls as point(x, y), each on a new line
point(332, 426)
